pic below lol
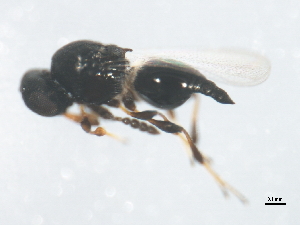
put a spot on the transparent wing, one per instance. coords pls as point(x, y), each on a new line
point(231, 66)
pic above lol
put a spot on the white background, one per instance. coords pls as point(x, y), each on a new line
point(52, 172)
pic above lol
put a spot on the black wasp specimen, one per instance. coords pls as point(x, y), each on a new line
point(96, 76)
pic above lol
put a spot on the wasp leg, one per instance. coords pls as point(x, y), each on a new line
point(166, 126)
point(194, 133)
point(128, 100)
point(99, 131)
point(169, 127)
point(171, 114)
point(113, 103)
point(93, 119)
point(194, 127)
point(102, 112)
point(225, 187)
point(194, 130)
point(87, 120)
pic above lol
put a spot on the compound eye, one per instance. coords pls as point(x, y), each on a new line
point(43, 95)
point(162, 85)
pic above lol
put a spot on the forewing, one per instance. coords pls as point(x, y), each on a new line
point(231, 66)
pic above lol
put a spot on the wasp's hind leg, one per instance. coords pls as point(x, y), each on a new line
point(166, 126)
point(169, 127)
point(194, 128)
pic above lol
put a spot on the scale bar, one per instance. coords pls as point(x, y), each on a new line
point(275, 203)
